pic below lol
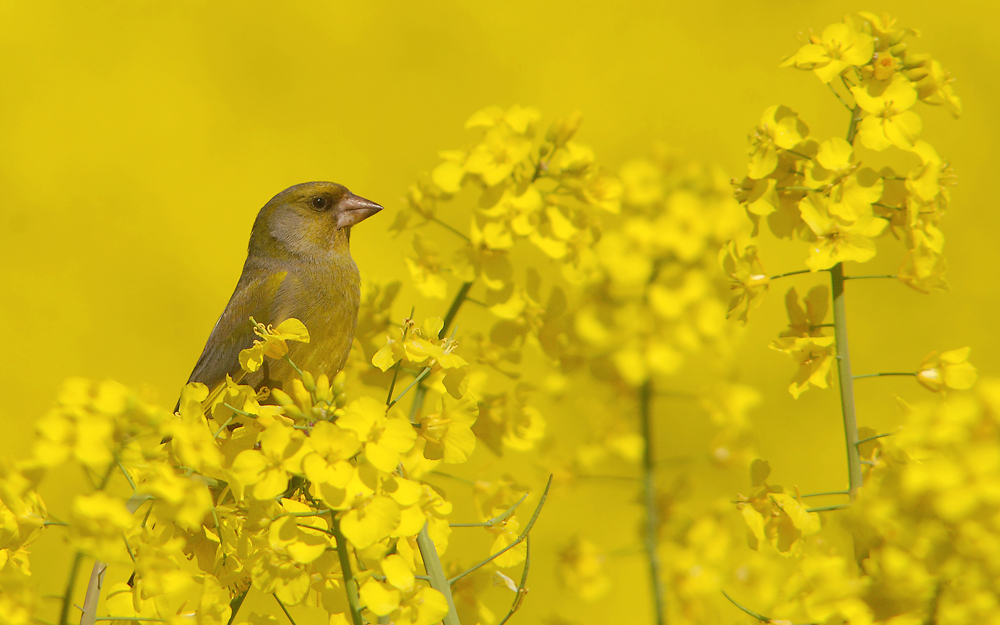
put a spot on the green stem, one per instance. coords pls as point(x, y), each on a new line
point(759, 617)
point(855, 479)
point(842, 100)
point(439, 581)
point(522, 586)
point(500, 518)
point(417, 380)
point(456, 304)
point(652, 514)
point(450, 227)
point(829, 492)
point(876, 437)
point(350, 582)
point(283, 609)
point(852, 129)
point(235, 604)
point(521, 537)
point(790, 273)
point(68, 595)
point(839, 506)
point(882, 375)
point(395, 372)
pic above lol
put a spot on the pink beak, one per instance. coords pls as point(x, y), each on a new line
point(353, 209)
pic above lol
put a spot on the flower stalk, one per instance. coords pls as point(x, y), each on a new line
point(350, 582)
point(649, 497)
point(439, 581)
point(846, 379)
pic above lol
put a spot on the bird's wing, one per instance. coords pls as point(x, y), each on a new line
point(233, 332)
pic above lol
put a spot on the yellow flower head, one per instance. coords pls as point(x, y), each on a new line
point(948, 370)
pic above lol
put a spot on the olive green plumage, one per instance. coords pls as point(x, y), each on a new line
point(298, 265)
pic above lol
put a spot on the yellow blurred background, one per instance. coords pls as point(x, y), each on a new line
point(139, 139)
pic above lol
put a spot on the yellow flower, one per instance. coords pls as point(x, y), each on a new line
point(448, 433)
point(888, 121)
point(267, 470)
point(274, 342)
point(935, 88)
point(507, 533)
point(923, 267)
point(384, 437)
point(194, 444)
point(840, 47)
point(948, 370)
point(505, 144)
point(815, 357)
point(779, 129)
point(96, 524)
point(184, 499)
point(425, 268)
point(748, 279)
point(421, 346)
point(837, 241)
point(581, 570)
point(802, 323)
point(370, 520)
point(773, 516)
point(327, 464)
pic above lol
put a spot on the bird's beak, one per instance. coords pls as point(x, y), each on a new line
point(354, 209)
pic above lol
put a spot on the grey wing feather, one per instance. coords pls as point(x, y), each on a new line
point(233, 332)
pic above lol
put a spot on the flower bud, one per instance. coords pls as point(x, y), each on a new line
point(562, 130)
point(308, 381)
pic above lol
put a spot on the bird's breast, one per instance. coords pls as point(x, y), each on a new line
point(326, 299)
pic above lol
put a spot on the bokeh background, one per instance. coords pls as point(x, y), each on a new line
point(138, 140)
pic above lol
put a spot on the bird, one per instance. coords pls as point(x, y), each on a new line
point(298, 265)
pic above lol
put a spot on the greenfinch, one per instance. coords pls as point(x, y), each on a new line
point(298, 265)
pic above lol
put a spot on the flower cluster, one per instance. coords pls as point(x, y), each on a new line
point(818, 190)
point(308, 496)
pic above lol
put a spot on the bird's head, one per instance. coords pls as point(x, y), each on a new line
point(311, 219)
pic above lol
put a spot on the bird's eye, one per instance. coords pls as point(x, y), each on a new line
point(319, 202)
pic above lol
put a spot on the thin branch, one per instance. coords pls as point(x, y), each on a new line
point(438, 580)
point(895, 208)
point(417, 380)
point(840, 506)
point(522, 589)
point(500, 518)
point(236, 604)
point(399, 363)
point(350, 582)
point(454, 477)
point(855, 479)
point(790, 273)
point(70, 584)
point(623, 478)
point(520, 538)
point(128, 477)
point(759, 617)
point(871, 438)
point(456, 304)
point(283, 608)
point(651, 539)
point(842, 101)
point(451, 228)
point(885, 374)
point(829, 492)
point(885, 275)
